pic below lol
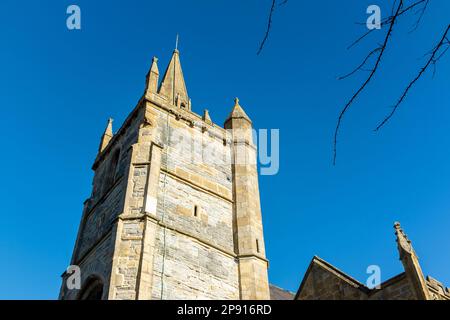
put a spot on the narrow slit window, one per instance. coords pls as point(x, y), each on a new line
point(195, 211)
point(257, 245)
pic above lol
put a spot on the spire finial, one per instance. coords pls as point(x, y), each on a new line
point(402, 239)
point(176, 42)
point(172, 84)
point(108, 130)
point(107, 135)
point(237, 112)
point(152, 77)
point(109, 127)
point(206, 117)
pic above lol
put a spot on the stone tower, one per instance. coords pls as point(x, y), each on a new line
point(174, 211)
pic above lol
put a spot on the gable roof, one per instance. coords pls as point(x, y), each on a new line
point(277, 293)
point(316, 261)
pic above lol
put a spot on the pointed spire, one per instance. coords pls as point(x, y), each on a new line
point(107, 136)
point(410, 262)
point(173, 86)
point(238, 112)
point(152, 77)
point(206, 117)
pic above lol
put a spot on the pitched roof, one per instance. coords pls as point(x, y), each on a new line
point(277, 293)
point(316, 261)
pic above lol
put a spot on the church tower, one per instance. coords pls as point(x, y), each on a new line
point(175, 210)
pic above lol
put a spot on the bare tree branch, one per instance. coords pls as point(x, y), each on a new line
point(422, 13)
point(269, 25)
point(356, 94)
point(394, 5)
point(360, 67)
point(431, 61)
point(385, 21)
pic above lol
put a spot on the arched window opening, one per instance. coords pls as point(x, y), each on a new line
point(93, 290)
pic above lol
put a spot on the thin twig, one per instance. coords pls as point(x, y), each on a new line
point(422, 13)
point(385, 21)
point(349, 103)
point(360, 67)
point(431, 61)
point(269, 25)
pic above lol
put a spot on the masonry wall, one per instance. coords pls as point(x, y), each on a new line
point(164, 228)
point(95, 264)
point(400, 289)
point(100, 220)
point(322, 284)
point(192, 270)
point(96, 240)
point(437, 290)
point(185, 249)
point(195, 249)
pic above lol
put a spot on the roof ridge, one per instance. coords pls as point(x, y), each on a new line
point(339, 272)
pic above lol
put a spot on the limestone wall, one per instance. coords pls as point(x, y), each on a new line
point(100, 220)
point(96, 264)
point(96, 241)
point(437, 290)
point(398, 289)
point(192, 270)
point(164, 229)
point(322, 284)
point(126, 267)
point(176, 208)
point(195, 248)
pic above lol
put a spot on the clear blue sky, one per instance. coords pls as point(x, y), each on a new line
point(58, 87)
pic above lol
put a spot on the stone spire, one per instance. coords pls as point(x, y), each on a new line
point(410, 262)
point(107, 136)
point(237, 112)
point(152, 77)
point(173, 86)
point(206, 117)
